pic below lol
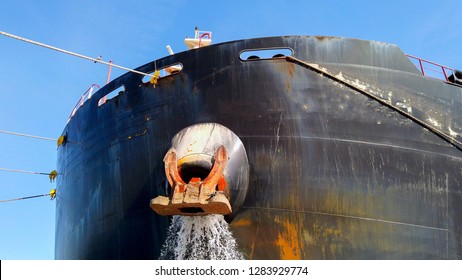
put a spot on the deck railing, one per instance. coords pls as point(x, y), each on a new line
point(85, 96)
point(431, 69)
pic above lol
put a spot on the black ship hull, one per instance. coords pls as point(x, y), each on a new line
point(352, 153)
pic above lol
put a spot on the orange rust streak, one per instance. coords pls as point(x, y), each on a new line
point(181, 188)
point(171, 170)
point(289, 242)
point(194, 180)
point(242, 222)
point(221, 158)
point(222, 185)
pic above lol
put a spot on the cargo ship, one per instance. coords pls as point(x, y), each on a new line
point(312, 147)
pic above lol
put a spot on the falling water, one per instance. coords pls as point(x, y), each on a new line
point(200, 238)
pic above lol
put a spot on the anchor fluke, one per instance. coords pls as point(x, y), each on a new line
point(199, 196)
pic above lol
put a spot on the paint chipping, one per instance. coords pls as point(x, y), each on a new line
point(434, 122)
point(452, 132)
point(404, 106)
point(359, 85)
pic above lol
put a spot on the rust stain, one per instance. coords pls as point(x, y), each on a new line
point(242, 222)
point(290, 72)
point(285, 70)
point(322, 38)
point(289, 242)
point(252, 248)
point(328, 237)
point(137, 135)
point(195, 91)
point(291, 69)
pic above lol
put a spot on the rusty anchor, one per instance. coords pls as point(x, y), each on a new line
point(197, 197)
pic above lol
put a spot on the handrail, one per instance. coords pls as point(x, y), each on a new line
point(85, 96)
point(422, 67)
point(108, 78)
point(203, 35)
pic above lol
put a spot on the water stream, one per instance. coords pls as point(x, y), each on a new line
point(200, 238)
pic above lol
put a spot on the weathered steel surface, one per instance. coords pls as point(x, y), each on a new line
point(334, 174)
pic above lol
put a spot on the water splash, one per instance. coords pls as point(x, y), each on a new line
point(200, 238)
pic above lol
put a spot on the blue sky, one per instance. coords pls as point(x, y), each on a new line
point(39, 87)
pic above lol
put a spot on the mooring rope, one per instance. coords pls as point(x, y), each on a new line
point(96, 60)
point(51, 194)
point(22, 198)
point(24, 171)
point(27, 135)
point(51, 175)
